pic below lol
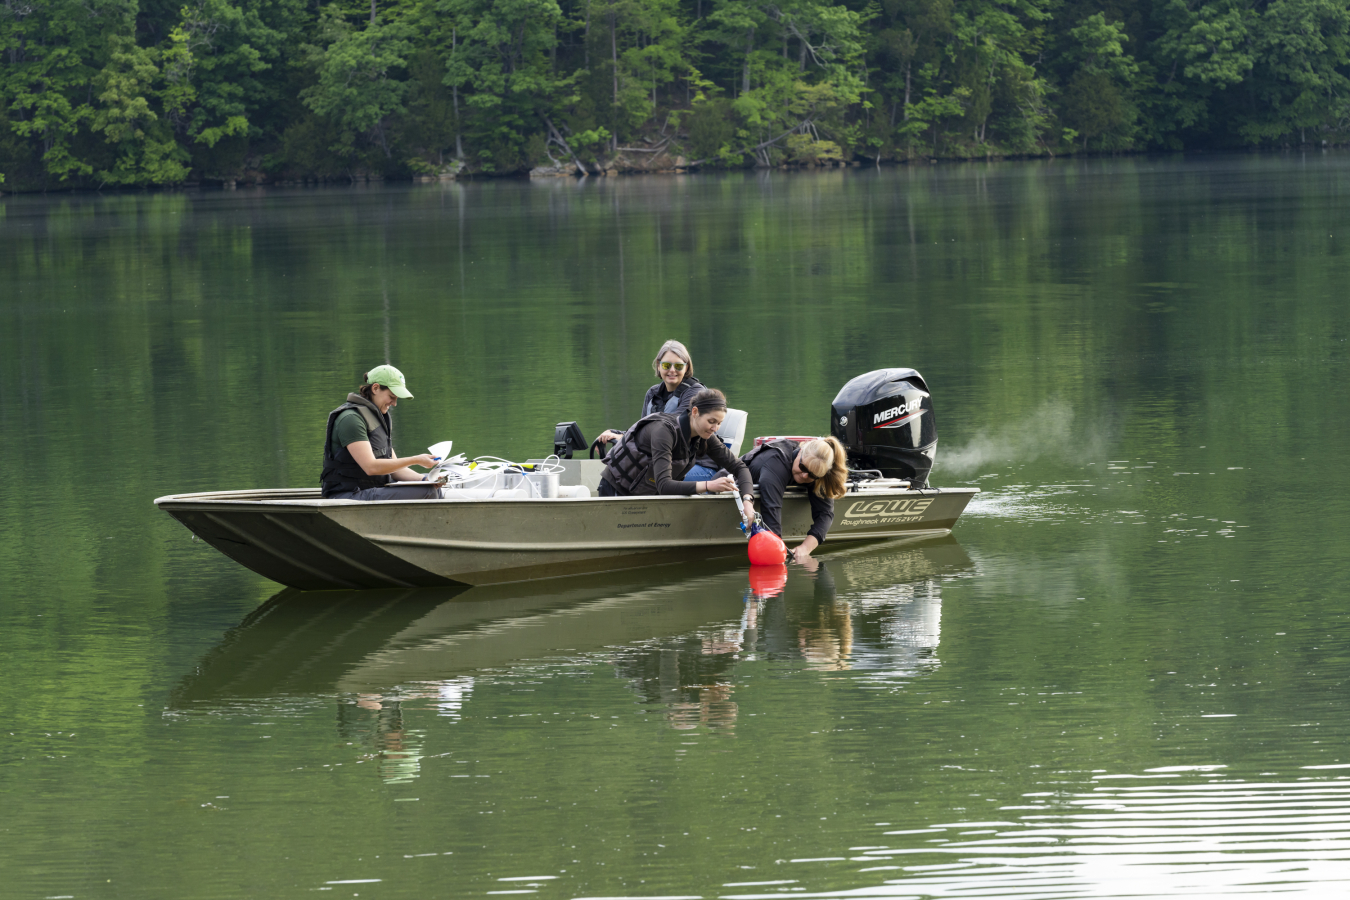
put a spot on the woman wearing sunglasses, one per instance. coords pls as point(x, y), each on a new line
point(820, 466)
point(672, 394)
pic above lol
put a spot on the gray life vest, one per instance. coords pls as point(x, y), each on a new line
point(342, 474)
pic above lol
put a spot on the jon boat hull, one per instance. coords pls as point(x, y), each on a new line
point(298, 539)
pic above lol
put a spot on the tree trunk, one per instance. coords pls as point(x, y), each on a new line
point(749, 46)
point(867, 83)
point(557, 137)
point(614, 60)
point(454, 94)
point(372, 12)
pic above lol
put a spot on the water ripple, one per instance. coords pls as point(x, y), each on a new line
point(1216, 839)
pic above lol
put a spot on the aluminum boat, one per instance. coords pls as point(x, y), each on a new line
point(299, 539)
point(500, 533)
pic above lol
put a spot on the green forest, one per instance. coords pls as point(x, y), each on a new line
point(97, 93)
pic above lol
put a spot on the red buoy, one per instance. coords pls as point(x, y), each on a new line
point(767, 549)
point(767, 581)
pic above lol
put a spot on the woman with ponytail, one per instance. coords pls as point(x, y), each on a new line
point(820, 466)
point(653, 456)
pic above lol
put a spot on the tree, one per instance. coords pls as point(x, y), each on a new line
point(1297, 83)
point(142, 141)
point(216, 56)
point(361, 80)
point(502, 66)
point(1097, 101)
point(792, 106)
point(52, 52)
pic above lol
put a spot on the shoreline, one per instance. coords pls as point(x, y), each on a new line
point(626, 167)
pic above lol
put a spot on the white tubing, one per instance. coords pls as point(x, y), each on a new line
point(552, 463)
point(574, 492)
point(482, 481)
point(466, 494)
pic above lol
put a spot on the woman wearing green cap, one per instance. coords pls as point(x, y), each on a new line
point(358, 448)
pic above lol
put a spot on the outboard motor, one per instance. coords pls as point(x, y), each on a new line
point(885, 421)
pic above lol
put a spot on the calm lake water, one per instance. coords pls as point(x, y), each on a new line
point(1125, 674)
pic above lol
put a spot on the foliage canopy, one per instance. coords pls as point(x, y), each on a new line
point(147, 92)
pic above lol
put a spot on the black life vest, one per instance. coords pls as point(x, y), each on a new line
point(786, 447)
point(629, 464)
point(342, 474)
point(690, 385)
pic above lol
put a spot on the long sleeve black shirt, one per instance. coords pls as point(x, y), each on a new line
point(680, 449)
point(773, 474)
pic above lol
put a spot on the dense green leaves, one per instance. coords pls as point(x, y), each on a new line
point(358, 88)
point(149, 92)
point(501, 64)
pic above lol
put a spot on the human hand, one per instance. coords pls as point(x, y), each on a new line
point(801, 554)
point(748, 510)
point(608, 435)
point(425, 460)
point(721, 485)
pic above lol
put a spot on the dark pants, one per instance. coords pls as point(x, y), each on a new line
point(419, 492)
point(606, 489)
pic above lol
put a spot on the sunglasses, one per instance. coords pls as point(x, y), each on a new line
point(797, 464)
point(667, 366)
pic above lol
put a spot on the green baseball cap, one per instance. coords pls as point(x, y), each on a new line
point(391, 378)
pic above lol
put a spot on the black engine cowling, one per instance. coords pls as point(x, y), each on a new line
point(885, 421)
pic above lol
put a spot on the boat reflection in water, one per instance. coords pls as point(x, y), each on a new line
point(877, 610)
point(677, 639)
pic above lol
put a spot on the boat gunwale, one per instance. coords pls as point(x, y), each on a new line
point(222, 498)
point(577, 546)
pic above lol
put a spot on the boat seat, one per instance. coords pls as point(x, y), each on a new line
point(732, 431)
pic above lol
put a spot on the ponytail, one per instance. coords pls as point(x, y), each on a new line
point(826, 459)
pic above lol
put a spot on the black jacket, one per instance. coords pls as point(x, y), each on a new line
point(653, 456)
point(771, 467)
point(658, 399)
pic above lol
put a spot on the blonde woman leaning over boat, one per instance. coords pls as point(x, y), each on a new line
point(653, 456)
point(821, 466)
point(358, 446)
